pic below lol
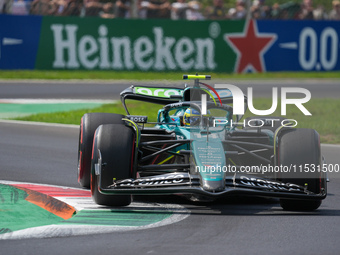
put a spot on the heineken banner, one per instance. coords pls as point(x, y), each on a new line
point(164, 45)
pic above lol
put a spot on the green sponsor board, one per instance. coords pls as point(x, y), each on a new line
point(146, 45)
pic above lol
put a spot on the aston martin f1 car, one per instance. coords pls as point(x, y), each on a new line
point(194, 150)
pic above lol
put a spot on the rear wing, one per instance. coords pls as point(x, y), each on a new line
point(170, 95)
point(156, 95)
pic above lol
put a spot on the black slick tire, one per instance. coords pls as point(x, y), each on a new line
point(298, 147)
point(116, 145)
point(89, 123)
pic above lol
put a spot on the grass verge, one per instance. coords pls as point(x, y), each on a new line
point(322, 120)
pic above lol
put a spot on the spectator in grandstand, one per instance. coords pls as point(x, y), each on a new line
point(178, 9)
point(275, 11)
point(193, 12)
point(4, 5)
point(42, 7)
point(58, 6)
point(241, 11)
point(123, 9)
point(71, 8)
point(108, 11)
point(288, 10)
point(158, 9)
point(217, 11)
point(231, 13)
point(260, 10)
point(142, 9)
point(19, 7)
point(306, 11)
point(319, 13)
point(255, 13)
point(335, 12)
point(93, 8)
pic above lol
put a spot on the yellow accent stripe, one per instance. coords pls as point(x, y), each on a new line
point(232, 161)
point(137, 138)
point(210, 95)
point(167, 159)
point(192, 76)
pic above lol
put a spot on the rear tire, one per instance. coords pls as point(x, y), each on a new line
point(116, 144)
point(89, 123)
point(299, 147)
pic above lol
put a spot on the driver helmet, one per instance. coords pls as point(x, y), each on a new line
point(191, 117)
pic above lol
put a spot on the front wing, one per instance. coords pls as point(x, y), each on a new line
point(185, 183)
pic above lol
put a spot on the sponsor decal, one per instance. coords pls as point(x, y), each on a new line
point(158, 92)
point(219, 46)
point(250, 58)
point(159, 52)
point(138, 119)
point(273, 185)
point(172, 179)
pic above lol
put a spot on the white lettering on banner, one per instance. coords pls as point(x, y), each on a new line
point(69, 44)
point(104, 46)
point(318, 51)
point(163, 50)
point(184, 49)
point(121, 45)
point(205, 47)
point(87, 48)
point(143, 48)
point(158, 53)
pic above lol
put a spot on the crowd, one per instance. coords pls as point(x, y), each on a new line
point(167, 9)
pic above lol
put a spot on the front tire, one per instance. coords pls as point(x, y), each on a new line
point(89, 123)
point(299, 147)
point(116, 144)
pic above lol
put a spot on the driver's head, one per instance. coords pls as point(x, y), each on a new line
point(191, 117)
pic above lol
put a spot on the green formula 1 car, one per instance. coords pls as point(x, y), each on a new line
point(194, 150)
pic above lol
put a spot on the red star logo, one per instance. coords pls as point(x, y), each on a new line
point(250, 47)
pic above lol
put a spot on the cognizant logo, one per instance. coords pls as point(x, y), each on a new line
point(239, 104)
